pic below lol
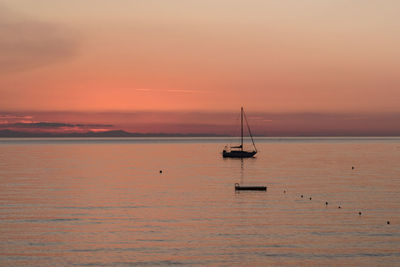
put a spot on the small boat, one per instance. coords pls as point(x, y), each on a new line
point(237, 151)
point(239, 187)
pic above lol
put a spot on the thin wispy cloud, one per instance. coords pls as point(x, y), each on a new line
point(15, 118)
point(40, 125)
point(54, 127)
point(259, 118)
point(7, 116)
point(183, 91)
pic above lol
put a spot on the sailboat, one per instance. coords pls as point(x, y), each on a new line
point(238, 151)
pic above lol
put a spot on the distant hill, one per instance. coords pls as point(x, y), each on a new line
point(114, 133)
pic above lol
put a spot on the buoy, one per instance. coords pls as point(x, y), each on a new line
point(250, 188)
point(301, 196)
point(359, 213)
point(326, 203)
point(387, 222)
point(160, 171)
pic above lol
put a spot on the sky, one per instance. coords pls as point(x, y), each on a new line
point(188, 66)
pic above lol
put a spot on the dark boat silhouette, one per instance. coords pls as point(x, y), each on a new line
point(239, 187)
point(238, 151)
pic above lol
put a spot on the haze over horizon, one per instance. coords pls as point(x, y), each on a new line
point(298, 67)
point(204, 123)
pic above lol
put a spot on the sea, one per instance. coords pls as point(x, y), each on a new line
point(172, 201)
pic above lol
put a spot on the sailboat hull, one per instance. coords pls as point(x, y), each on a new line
point(238, 154)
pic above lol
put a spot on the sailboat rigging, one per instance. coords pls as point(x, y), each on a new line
point(238, 151)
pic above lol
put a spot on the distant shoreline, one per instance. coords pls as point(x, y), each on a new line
point(122, 134)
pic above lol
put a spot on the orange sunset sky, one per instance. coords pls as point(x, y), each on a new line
point(298, 67)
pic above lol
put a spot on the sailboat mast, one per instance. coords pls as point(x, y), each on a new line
point(248, 128)
point(241, 132)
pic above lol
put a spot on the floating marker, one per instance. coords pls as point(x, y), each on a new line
point(250, 188)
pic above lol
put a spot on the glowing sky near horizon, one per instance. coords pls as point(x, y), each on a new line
point(270, 56)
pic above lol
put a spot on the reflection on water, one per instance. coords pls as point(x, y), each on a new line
point(105, 203)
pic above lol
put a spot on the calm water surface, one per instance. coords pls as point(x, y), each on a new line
point(103, 202)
